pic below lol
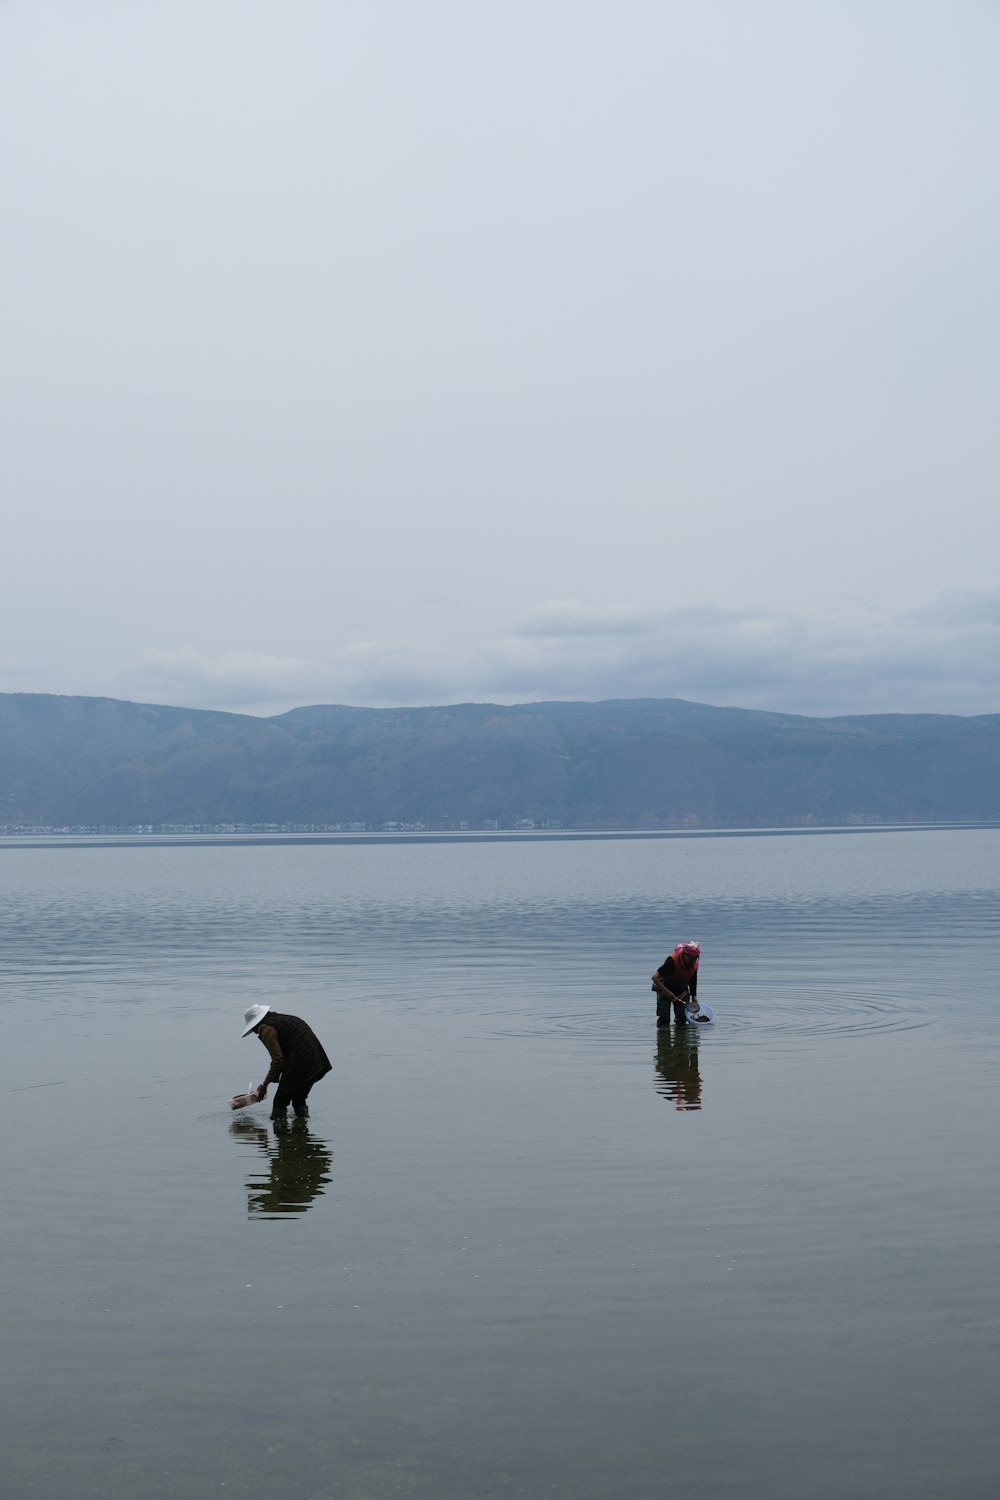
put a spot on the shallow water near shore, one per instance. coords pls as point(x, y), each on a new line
point(522, 1246)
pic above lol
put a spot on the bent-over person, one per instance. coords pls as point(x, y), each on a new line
point(297, 1058)
point(676, 984)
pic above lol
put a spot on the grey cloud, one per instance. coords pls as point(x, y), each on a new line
point(570, 617)
point(212, 681)
point(326, 364)
point(957, 608)
point(752, 659)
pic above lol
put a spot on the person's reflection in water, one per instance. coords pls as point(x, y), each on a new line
point(677, 1075)
point(300, 1165)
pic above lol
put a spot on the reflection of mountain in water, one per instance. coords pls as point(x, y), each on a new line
point(299, 1165)
point(677, 1075)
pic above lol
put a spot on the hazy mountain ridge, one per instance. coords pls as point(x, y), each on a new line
point(79, 762)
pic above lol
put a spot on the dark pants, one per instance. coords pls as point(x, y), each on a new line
point(294, 1093)
point(663, 1005)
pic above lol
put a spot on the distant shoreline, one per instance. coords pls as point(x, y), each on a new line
point(153, 838)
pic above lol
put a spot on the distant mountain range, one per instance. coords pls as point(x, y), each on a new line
point(99, 763)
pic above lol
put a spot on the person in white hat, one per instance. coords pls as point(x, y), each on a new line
point(297, 1058)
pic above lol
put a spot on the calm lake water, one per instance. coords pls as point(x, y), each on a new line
point(521, 1248)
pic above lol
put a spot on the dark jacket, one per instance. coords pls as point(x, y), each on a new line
point(675, 982)
point(303, 1059)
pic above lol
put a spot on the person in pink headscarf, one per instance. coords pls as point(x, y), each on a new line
point(676, 984)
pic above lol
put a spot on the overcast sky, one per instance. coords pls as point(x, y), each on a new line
point(420, 351)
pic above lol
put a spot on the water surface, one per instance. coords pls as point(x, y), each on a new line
point(522, 1246)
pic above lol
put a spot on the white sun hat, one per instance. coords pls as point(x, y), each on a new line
point(253, 1017)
